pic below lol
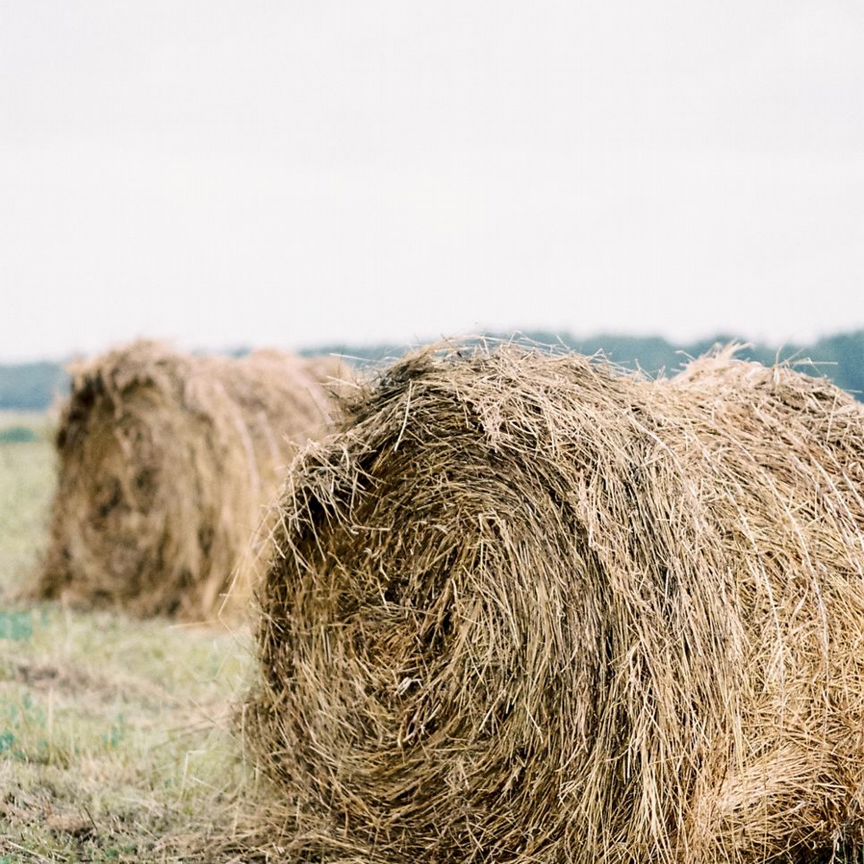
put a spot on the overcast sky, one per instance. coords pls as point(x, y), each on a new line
point(289, 173)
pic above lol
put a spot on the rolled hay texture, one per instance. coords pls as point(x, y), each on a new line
point(533, 609)
point(167, 463)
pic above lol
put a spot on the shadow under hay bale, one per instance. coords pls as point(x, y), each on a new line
point(532, 608)
point(167, 463)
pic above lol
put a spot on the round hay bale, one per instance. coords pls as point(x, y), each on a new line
point(166, 465)
point(532, 608)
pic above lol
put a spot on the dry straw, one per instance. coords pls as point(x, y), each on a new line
point(534, 609)
point(166, 464)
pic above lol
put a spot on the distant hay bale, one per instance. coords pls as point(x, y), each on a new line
point(166, 464)
point(535, 609)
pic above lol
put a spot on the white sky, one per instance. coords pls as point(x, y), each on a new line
point(290, 173)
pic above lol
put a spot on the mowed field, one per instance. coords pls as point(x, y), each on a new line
point(118, 738)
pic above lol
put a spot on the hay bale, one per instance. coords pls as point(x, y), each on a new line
point(531, 608)
point(166, 464)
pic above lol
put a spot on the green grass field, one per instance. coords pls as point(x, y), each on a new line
point(117, 738)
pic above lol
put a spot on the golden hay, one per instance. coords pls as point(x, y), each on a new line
point(167, 462)
point(534, 609)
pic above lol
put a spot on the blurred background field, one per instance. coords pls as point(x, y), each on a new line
point(26, 483)
point(116, 739)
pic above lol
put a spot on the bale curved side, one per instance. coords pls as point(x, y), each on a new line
point(166, 465)
point(532, 609)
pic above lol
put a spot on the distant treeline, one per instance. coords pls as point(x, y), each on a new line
point(32, 386)
point(36, 386)
point(839, 357)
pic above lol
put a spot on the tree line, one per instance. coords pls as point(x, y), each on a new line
point(840, 357)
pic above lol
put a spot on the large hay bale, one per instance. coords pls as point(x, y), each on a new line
point(531, 608)
point(166, 465)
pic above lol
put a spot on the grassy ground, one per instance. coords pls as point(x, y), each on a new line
point(116, 736)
